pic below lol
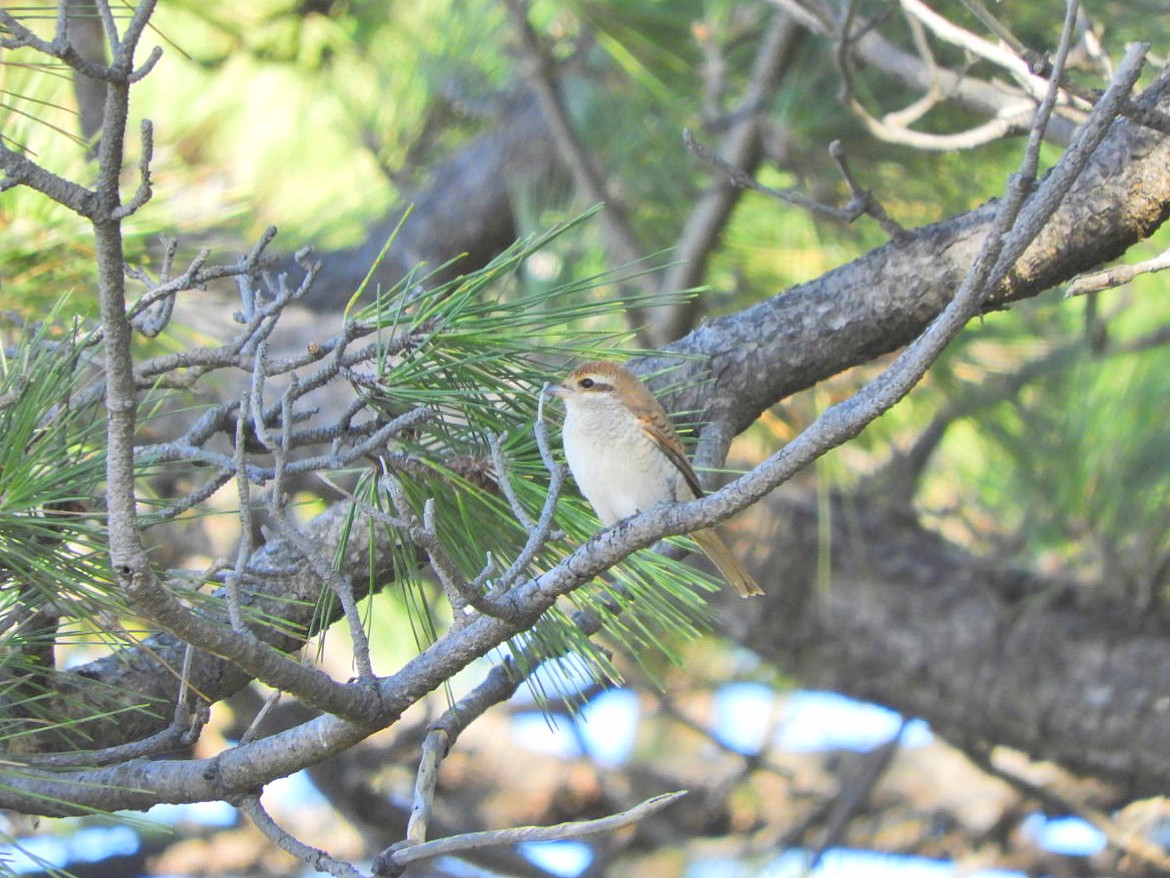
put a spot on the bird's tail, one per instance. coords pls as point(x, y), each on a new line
point(735, 574)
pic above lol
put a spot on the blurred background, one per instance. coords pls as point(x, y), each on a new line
point(1037, 443)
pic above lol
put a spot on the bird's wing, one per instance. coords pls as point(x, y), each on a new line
point(661, 434)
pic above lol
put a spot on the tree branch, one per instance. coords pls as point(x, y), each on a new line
point(987, 98)
point(390, 863)
point(738, 365)
point(1116, 276)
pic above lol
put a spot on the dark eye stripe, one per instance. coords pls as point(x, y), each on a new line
point(593, 384)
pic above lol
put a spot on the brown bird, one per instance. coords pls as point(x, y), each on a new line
point(627, 458)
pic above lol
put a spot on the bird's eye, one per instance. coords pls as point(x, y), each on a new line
point(586, 383)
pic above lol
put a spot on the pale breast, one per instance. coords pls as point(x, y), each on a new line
point(618, 467)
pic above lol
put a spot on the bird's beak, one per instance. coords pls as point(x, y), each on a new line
point(557, 390)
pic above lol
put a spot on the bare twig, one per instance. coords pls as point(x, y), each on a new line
point(1116, 276)
point(1007, 59)
point(746, 181)
point(313, 857)
point(172, 739)
point(434, 748)
point(540, 531)
point(372, 441)
point(1006, 107)
point(500, 466)
point(144, 191)
point(994, 25)
point(244, 494)
point(22, 171)
point(855, 791)
point(861, 203)
point(456, 588)
point(270, 702)
point(342, 588)
point(149, 324)
point(59, 48)
point(460, 593)
point(892, 127)
point(183, 715)
point(391, 862)
point(864, 198)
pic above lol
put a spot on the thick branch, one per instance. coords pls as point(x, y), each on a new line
point(987, 653)
point(750, 360)
point(130, 695)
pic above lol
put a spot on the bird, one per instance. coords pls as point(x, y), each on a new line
point(626, 457)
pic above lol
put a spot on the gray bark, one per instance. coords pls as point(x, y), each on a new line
point(985, 652)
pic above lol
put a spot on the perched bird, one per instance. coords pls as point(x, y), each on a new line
point(626, 457)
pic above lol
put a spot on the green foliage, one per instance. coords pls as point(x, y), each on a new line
point(1058, 454)
point(47, 251)
point(1083, 439)
point(347, 99)
point(53, 570)
point(51, 463)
